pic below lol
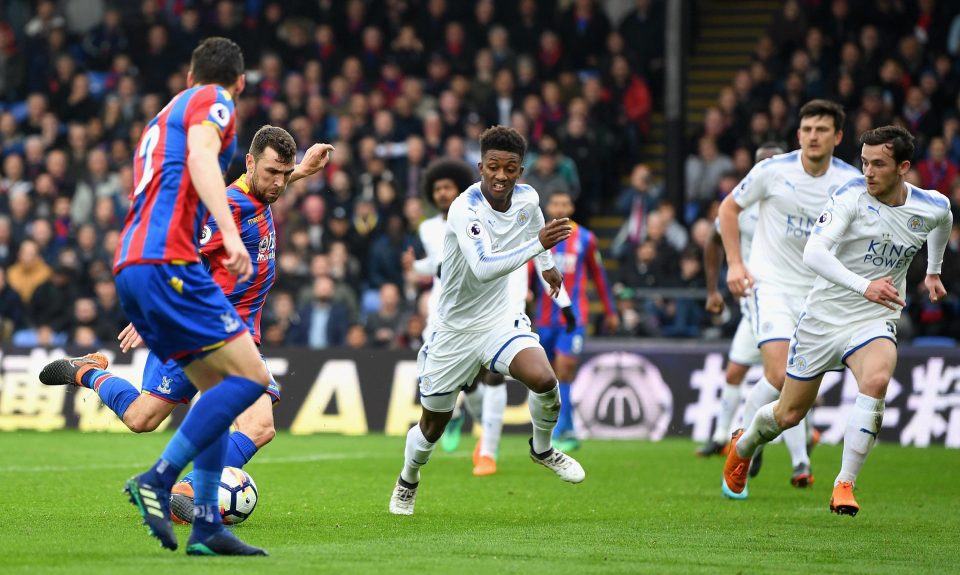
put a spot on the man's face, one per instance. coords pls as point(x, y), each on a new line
point(444, 192)
point(818, 137)
point(499, 172)
point(559, 206)
point(880, 169)
point(268, 176)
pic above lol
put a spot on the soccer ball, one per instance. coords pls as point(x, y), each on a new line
point(238, 498)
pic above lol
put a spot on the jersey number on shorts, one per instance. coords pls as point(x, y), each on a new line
point(149, 143)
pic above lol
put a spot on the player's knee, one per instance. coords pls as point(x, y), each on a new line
point(875, 385)
point(263, 434)
point(141, 422)
point(542, 381)
point(788, 417)
point(775, 377)
point(432, 424)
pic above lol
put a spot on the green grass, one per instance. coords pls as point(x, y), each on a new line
point(645, 507)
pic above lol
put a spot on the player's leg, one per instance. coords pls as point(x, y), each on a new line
point(494, 405)
point(472, 404)
point(769, 422)
point(253, 429)
point(442, 365)
point(729, 402)
point(872, 366)
point(565, 365)
point(522, 356)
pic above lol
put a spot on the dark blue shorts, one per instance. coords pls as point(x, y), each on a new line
point(555, 339)
point(178, 310)
point(166, 381)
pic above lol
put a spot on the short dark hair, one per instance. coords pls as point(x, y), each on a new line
point(821, 107)
point(276, 138)
point(504, 139)
point(216, 60)
point(446, 169)
point(767, 149)
point(899, 139)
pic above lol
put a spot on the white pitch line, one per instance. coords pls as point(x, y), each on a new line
point(266, 460)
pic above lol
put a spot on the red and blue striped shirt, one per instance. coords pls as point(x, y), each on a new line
point(576, 257)
point(165, 215)
point(254, 220)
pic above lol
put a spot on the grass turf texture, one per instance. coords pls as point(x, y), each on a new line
point(644, 507)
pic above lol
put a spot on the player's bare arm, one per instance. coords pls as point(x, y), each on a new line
point(554, 280)
point(711, 272)
point(935, 289)
point(738, 276)
point(203, 143)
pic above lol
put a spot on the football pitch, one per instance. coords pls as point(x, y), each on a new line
point(644, 507)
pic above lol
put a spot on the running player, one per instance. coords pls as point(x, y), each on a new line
point(860, 249)
point(493, 228)
point(270, 168)
point(577, 258)
point(791, 190)
point(175, 305)
point(743, 349)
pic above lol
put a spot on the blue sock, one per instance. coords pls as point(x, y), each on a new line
point(207, 468)
point(116, 393)
point(240, 450)
point(209, 418)
point(565, 418)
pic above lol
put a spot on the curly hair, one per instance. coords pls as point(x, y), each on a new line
point(446, 169)
point(504, 139)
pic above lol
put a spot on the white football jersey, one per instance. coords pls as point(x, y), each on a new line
point(481, 247)
point(789, 201)
point(874, 240)
point(748, 226)
point(431, 237)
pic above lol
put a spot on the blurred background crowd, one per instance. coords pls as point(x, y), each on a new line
point(394, 84)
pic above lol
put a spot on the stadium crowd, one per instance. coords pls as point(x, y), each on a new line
point(394, 84)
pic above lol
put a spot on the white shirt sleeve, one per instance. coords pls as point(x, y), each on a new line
point(474, 241)
point(544, 259)
point(937, 243)
point(818, 253)
point(752, 188)
point(427, 265)
point(563, 298)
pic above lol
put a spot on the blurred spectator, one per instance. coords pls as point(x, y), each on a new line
point(324, 321)
point(386, 251)
point(28, 272)
point(11, 309)
point(702, 174)
point(937, 172)
point(52, 302)
point(385, 324)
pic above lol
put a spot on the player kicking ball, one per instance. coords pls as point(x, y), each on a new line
point(493, 228)
point(271, 167)
point(861, 248)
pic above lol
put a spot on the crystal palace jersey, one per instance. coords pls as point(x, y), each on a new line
point(576, 257)
point(874, 240)
point(790, 200)
point(254, 220)
point(163, 224)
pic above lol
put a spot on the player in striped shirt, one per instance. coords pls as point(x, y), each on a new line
point(578, 259)
point(270, 168)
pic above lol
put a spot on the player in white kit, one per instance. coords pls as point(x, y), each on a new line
point(493, 228)
point(743, 349)
point(791, 190)
point(860, 249)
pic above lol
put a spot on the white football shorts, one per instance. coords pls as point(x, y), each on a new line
point(818, 347)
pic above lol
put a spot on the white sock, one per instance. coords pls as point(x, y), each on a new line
point(763, 429)
point(761, 394)
point(473, 401)
point(494, 404)
point(795, 439)
point(729, 402)
point(860, 435)
point(544, 410)
point(416, 454)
